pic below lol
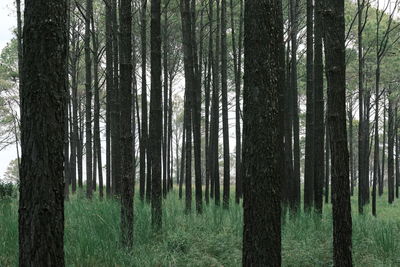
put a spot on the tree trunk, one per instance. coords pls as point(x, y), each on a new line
point(88, 91)
point(263, 79)
point(126, 189)
point(156, 115)
point(224, 91)
point(319, 130)
point(334, 26)
point(110, 89)
point(382, 175)
point(41, 204)
point(165, 104)
point(309, 147)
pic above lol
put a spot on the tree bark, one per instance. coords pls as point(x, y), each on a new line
point(309, 147)
point(44, 92)
point(334, 26)
point(263, 43)
point(156, 115)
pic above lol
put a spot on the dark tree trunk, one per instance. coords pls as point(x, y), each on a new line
point(288, 181)
point(263, 44)
point(224, 91)
point(43, 71)
point(319, 130)
point(215, 110)
point(110, 89)
point(96, 116)
point(115, 111)
point(189, 87)
point(390, 151)
point(156, 115)
point(334, 26)
point(362, 151)
point(208, 133)
point(309, 147)
point(196, 111)
point(126, 190)
point(88, 91)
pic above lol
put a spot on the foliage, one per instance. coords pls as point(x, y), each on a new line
point(6, 190)
point(212, 239)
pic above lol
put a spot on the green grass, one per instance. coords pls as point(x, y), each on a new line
point(212, 239)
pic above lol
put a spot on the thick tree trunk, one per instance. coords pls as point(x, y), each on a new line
point(334, 26)
point(165, 104)
point(41, 204)
point(263, 44)
point(156, 115)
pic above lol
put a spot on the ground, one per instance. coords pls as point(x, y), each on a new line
point(211, 239)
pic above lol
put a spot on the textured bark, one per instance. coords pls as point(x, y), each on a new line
point(224, 91)
point(336, 76)
point(310, 141)
point(263, 43)
point(44, 92)
point(319, 130)
point(89, 94)
point(126, 190)
point(156, 115)
point(397, 150)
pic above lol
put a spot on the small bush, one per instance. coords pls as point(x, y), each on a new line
point(6, 190)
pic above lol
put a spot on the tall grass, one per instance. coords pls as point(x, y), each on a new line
point(211, 239)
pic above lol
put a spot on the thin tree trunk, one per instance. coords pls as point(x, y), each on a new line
point(390, 151)
point(156, 116)
point(126, 187)
point(110, 89)
point(88, 91)
point(309, 147)
point(319, 130)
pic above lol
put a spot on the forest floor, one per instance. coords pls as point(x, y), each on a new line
point(212, 239)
